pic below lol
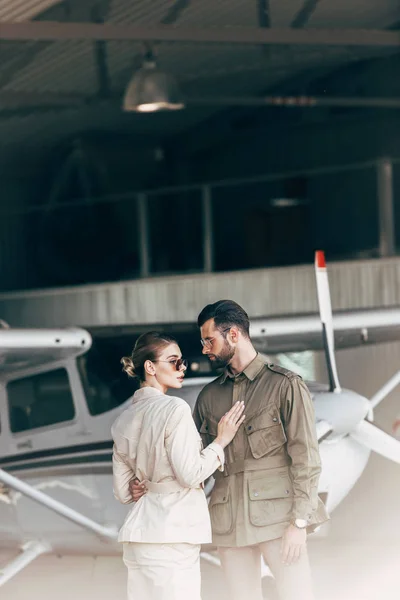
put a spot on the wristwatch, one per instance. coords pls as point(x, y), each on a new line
point(300, 523)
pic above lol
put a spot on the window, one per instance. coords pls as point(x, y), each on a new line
point(40, 400)
point(105, 385)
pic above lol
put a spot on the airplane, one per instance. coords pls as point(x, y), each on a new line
point(56, 414)
point(396, 427)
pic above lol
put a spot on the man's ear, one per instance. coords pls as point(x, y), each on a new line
point(234, 334)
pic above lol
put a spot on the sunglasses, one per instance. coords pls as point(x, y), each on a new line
point(177, 362)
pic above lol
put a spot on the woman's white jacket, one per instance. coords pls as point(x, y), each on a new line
point(156, 440)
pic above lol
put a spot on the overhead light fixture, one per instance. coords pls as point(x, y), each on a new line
point(294, 193)
point(287, 202)
point(152, 90)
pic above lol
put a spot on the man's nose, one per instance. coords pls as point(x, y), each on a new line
point(205, 350)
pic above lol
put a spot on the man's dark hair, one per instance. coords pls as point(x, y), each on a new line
point(226, 313)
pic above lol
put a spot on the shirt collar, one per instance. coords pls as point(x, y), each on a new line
point(145, 392)
point(251, 371)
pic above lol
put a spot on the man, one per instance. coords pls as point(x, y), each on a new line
point(266, 500)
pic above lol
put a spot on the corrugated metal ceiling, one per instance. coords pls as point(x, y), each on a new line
point(29, 71)
point(225, 13)
point(24, 10)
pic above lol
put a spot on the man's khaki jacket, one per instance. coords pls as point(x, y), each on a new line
point(272, 465)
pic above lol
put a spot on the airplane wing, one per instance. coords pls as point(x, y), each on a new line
point(25, 348)
point(304, 332)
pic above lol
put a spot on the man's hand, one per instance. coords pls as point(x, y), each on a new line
point(137, 489)
point(293, 544)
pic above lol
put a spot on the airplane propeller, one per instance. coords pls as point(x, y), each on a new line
point(353, 412)
point(325, 311)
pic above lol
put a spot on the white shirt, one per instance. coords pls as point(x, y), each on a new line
point(156, 440)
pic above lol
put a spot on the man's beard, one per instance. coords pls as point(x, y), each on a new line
point(223, 359)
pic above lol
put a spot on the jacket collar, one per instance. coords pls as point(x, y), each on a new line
point(251, 371)
point(146, 392)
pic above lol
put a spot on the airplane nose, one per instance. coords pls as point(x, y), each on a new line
point(343, 410)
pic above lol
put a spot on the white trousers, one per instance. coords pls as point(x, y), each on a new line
point(242, 570)
point(162, 571)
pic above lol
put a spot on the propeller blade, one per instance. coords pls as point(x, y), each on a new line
point(324, 429)
point(325, 311)
point(377, 440)
point(385, 390)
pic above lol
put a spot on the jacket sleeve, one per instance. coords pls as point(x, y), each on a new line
point(198, 416)
point(298, 416)
point(122, 475)
point(190, 464)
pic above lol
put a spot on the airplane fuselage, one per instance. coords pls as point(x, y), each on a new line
point(73, 465)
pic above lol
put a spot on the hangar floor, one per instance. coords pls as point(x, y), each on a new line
point(358, 560)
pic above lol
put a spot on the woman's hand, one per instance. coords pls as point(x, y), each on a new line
point(137, 489)
point(229, 424)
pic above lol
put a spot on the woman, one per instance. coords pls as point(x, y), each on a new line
point(156, 441)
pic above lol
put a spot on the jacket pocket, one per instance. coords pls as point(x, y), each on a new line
point(265, 433)
point(221, 509)
point(209, 427)
point(270, 499)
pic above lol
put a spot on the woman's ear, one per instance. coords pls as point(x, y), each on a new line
point(149, 367)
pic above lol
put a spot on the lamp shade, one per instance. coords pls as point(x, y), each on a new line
point(151, 90)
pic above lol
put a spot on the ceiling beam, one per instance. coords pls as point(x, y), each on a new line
point(175, 11)
point(264, 20)
point(22, 104)
point(99, 14)
point(53, 31)
point(299, 101)
point(305, 13)
point(264, 16)
point(11, 99)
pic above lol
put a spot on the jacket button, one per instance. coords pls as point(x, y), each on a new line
point(206, 427)
point(249, 427)
point(274, 419)
point(286, 491)
point(256, 494)
point(223, 499)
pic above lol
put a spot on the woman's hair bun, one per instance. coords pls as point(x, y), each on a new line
point(128, 366)
point(148, 346)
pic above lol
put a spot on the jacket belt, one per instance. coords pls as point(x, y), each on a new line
point(166, 487)
point(254, 464)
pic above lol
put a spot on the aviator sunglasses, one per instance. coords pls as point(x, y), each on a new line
point(178, 362)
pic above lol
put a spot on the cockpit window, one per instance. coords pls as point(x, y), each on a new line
point(40, 400)
point(105, 385)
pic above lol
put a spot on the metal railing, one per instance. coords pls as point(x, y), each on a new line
point(383, 168)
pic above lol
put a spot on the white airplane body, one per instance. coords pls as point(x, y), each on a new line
point(72, 463)
point(56, 470)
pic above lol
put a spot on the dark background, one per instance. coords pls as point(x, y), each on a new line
point(72, 162)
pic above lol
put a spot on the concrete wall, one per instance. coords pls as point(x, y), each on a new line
point(263, 292)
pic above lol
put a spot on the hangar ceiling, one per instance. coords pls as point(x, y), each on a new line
point(57, 82)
